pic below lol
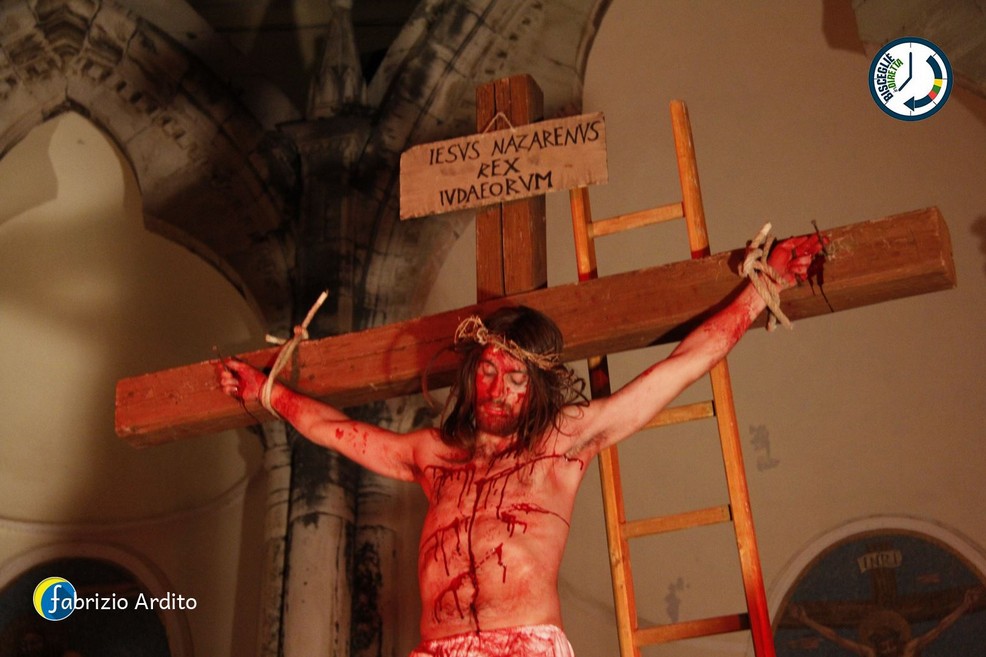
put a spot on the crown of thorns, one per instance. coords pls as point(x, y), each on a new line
point(472, 329)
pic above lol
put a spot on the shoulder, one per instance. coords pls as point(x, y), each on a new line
point(574, 431)
point(425, 441)
point(429, 449)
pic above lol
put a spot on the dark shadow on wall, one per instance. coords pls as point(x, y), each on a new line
point(841, 31)
point(839, 26)
point(979, 230)
point(33, 181)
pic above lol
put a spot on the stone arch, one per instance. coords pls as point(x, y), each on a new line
point(218, 180)
point(212, 179)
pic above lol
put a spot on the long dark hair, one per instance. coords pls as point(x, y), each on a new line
point(549, 390)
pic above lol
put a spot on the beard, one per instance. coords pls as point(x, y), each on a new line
point(496, 420)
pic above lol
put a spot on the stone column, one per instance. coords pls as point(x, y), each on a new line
point(277, 463)
point(318, 589)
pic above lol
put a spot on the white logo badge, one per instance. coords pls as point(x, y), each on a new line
point(910, 79)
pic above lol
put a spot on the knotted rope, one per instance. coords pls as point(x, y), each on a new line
point(765, 279)
point(300, 333)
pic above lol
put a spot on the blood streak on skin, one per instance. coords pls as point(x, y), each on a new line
point(443, 475)
point(438, 537)
point(487, 489)
point(509, 517)
point(355, 434)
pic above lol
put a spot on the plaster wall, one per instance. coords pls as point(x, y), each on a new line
point(88, 296)
point(855, 416)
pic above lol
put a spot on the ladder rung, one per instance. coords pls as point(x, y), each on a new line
point(683, 413)
point(662, 524)
point(636, 219)
point(649, 636)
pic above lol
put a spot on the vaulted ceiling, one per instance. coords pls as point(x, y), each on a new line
point(248, 142)
point(958, 27)
point(276, 33)
point(281, 39)
point(196, 94)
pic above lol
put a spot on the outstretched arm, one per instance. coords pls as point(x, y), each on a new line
point(385, 452)
point(612, 419)
point(921, 642)
point(799, 614)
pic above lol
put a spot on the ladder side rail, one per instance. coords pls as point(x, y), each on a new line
point(722, 394)
point(691, 190)
point(614, 513)
point(739, 500)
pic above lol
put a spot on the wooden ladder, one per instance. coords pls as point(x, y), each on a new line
point(619, 531)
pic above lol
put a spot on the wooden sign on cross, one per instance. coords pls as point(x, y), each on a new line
point(872, 261)
point(516, 162)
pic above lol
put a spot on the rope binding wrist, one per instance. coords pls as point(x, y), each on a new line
point(766, 280)
point(299, 333)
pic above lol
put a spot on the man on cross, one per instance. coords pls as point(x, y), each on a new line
point(502, 471)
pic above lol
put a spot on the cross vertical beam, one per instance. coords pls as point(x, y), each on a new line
point(511, 242)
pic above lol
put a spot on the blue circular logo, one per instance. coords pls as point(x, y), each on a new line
point(910, 79)
point(54, 598)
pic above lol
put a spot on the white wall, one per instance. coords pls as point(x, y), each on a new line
point(872, 412)
point(88, 296)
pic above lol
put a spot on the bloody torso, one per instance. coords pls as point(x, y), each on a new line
point(493, 537)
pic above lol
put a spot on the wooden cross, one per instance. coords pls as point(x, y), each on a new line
point(870, 262)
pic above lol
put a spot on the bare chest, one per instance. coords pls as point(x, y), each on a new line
point(501, 487)
point(492, 528)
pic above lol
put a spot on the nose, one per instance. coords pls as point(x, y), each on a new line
point(498, 387)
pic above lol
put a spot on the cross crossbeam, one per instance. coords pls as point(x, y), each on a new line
point(871, 262)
